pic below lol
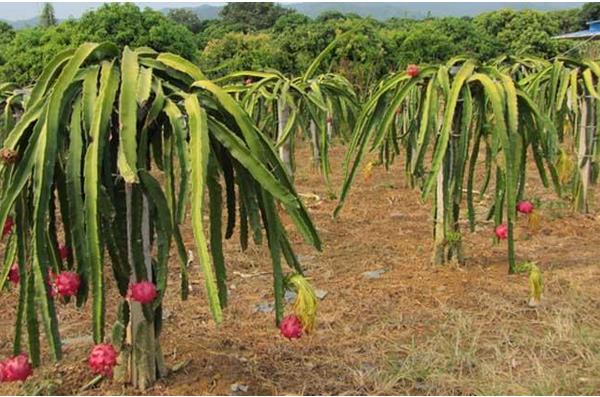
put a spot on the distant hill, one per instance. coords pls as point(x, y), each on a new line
point(380, 11)
point(204, 11)
point(383, 11)
point(25, 23)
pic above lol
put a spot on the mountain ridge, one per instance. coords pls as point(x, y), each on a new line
point(376, 10)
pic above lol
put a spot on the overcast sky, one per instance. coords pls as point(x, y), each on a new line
point(18, 11)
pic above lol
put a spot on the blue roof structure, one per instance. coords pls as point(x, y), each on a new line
point(593, 33)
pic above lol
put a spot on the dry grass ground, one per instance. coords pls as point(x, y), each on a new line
point(415, 330)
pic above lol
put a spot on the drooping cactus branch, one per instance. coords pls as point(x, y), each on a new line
point(123, 145)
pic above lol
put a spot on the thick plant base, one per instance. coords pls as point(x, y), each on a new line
point(141, 361)
point(445, 253)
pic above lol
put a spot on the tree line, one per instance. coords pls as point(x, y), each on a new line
point(265, 35)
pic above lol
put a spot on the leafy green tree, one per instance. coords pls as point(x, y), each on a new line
point(300, 44)
point(289, 22)
point(436, 40)
point(31, 49)
point(362, 57)
point(568, 20)
point(522, 32)
point(212, 29)
point(7, 34)
point(121, 24)
point(125, 24)
point(238, 51)
point(468, 37)
point(187, 18)
point(329, 16)
point(425, 44)
point(47, 17)
point(589, 12)
point(376, 49)
point(252, 16)
point(405, 24)
point(6, 30)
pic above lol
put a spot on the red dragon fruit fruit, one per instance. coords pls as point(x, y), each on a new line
point(291, 327)
point(525, 207)
point(17, 368)
point(13, 274)
point(329, 120)
point(502, 232)
point(248, 81)
point(142, 292)
point(412, 70)
point(8, 225)
point(64, 252)
point(66, 283)
point(103, 359)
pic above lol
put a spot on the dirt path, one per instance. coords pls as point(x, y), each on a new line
point(415, 329)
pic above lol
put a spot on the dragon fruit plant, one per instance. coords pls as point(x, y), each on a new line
point(450, 114)
point(566, 91)
point(123, 145)
point(318, 105)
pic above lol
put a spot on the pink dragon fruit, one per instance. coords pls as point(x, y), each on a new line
point(13, 274)
point(525, 207)
point(291, 327)
point(142, 292)
point(8, 225)
point(17, 368)
point(502, 232)
point(66, 283)
point(412, 70)
point(103, 359)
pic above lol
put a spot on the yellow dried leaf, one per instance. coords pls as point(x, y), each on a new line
point(534, 221)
